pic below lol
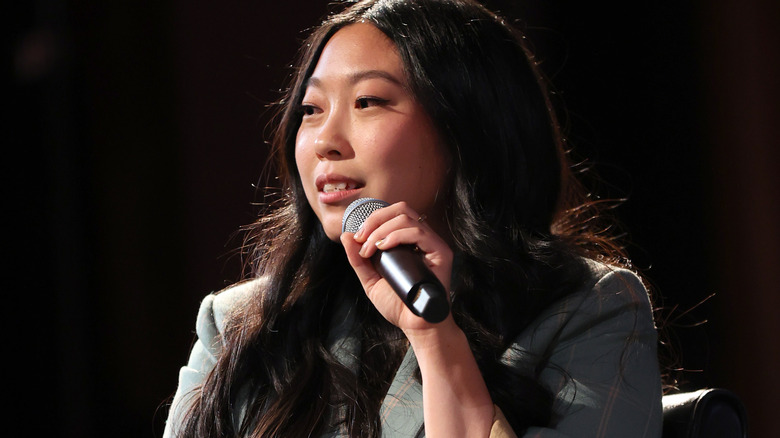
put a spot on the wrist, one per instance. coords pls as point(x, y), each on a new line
point(439, 337)
point(455, 397)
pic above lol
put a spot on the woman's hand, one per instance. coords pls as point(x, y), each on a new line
point(456, 402)
point(387, 228)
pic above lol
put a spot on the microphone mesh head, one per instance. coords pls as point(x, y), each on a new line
point(358, 211)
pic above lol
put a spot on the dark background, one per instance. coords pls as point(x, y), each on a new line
point(135, 133)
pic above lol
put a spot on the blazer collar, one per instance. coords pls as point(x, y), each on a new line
point(402, 408)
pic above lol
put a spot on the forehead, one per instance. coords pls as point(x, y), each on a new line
point(355, 48)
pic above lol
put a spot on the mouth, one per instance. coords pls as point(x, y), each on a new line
point(339, 186)
point(332, 183)
point(336, 188)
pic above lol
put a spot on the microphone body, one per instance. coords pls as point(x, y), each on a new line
point(402, 267)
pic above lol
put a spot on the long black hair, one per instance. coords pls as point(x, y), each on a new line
point(519, 220)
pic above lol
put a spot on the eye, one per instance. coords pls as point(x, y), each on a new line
point(308, 109)
point(364, 102)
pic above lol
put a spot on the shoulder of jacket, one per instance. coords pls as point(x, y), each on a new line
point(617, 284)
point(607, 292)
point(216, 307)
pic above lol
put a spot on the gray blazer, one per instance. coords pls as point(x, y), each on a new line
point(603, 368)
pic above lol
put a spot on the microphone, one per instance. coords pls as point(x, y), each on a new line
point(402, 267)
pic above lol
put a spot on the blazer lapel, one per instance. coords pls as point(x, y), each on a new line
point(342, 340)
point(402, 408)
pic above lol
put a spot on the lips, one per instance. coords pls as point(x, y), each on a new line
point(329, 183)
point(336, 188)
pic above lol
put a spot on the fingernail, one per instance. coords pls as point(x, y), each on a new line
point(358, 233)
point(363, 249)
point(379, 243)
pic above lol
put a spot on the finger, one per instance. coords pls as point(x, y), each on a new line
point(379, 236)
point(425, 241)
point(434, 251)
point(436, 255)
point(377, 290)
point(380, 216)
point(363, 267)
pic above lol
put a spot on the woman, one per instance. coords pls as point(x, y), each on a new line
point(436, 107)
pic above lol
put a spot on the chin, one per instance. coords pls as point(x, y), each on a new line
point(332, 230)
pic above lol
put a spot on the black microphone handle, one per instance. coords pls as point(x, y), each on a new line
point(405, 270)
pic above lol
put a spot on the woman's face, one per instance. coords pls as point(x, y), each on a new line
point(364, 135)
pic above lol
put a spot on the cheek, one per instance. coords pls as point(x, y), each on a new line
point(419, 147)
point(302, 152)
point(413, 161)
point(299, 142)
point(392, 141)
point(305, 166)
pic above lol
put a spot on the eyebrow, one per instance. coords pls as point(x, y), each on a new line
point(358, 76)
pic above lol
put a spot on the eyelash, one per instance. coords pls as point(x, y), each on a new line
point(364, 102)
point(307, 110)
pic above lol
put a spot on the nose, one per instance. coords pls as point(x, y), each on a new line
point(332, 140)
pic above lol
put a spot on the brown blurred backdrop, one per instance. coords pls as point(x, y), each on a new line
point(136, 133)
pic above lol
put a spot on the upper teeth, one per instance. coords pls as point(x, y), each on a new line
point(333, 187)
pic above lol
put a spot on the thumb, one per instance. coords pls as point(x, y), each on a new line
point(363, 267)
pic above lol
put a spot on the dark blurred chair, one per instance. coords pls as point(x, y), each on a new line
point(710, 413)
